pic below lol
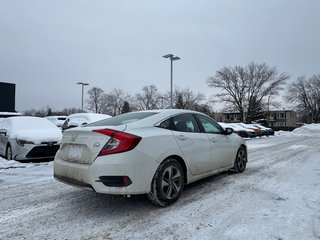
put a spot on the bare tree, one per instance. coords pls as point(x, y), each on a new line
point(43, 112)
point(36, 113)
point(305, 93)
point(148, 99)
point(113, 102)
point(246, 88)
point(95, 101)
point(187, 99)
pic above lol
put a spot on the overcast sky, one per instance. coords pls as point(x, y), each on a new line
point(47, 46)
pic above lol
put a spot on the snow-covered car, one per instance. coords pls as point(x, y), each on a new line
point(153, 152)
point(81, 119)
point(57, 120)
point(28, 138)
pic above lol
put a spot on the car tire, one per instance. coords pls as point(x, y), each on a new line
point(9, 152)
point(167, 184)
point(240, 162)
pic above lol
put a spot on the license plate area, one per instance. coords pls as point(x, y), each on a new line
point(75, 152)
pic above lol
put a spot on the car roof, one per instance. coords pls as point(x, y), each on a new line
point(161, 115)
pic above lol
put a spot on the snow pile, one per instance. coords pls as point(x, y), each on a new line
point(282, 133)
point(10, 164)
point(308, 129)
point(6, 164)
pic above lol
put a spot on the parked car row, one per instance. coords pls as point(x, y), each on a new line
point(33, 138)
point(155, 152)
point(29, 138)
point(249, 130)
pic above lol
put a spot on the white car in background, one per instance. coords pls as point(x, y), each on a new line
point(81, 119)
point(240, 130)
point(28, 138)
point(153, 152)
point(57, 120)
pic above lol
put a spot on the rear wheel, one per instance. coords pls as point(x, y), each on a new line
point(167, 184)
point(240, 162)
point(9, 153)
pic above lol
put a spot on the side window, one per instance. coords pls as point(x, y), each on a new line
point(185, 123)
point(166, 124)
point(209, 125)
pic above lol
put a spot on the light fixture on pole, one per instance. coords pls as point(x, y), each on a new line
point(172, 58)
point(83, 84)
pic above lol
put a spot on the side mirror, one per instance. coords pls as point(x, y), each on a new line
point(3, 131)
point(228, 131)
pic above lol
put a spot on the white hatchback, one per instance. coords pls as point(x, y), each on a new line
point(153, 152)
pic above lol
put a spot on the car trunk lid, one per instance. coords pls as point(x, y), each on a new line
point(83, 145)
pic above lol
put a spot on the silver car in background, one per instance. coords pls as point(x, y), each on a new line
point(28, 138)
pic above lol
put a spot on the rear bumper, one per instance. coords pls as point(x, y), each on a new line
point(72, 182)
point(137, 166)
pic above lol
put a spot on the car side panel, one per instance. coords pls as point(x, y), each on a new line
point(196, 150)
point(223, 150)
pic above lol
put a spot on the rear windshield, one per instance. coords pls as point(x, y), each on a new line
point(122, 119)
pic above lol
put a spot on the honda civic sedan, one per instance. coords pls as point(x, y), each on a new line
point(155, 152)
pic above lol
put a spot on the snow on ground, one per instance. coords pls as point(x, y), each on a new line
point(277, 197)
point(308, 129)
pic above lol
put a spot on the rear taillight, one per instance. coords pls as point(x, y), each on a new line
point(118, 142)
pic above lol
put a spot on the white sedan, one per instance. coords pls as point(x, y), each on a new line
point(28, 138)
point(153, 152)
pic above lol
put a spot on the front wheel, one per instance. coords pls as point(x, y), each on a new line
point(9, 153)
point(240, 162)
point(167, 184)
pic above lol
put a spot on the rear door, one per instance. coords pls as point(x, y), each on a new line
point(194, 144)
point(222, 146)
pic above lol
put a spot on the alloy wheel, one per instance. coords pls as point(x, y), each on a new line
point(171, 182)
point(241, 160)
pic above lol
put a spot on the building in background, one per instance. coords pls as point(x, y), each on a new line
point(276, 119)
point(282, 119)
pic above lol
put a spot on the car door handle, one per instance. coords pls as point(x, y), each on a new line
point(182, 137)
point(213, 140)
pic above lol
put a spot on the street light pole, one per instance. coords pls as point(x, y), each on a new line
point(172, 58)
point(82, 84)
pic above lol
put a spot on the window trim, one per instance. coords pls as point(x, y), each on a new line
point(201, 126)
point(193, 117)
